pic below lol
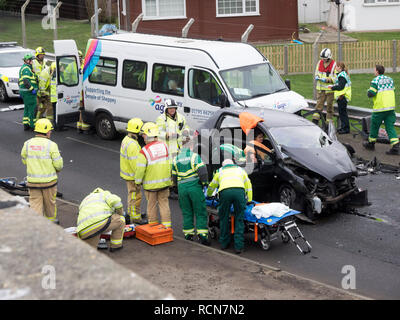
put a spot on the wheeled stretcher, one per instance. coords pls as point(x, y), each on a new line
point(265, 230)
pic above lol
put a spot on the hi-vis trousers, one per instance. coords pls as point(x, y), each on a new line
point(134, 200)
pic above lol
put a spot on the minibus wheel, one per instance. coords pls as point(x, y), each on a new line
point(105, 126)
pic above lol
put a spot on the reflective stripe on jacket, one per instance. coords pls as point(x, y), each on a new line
point(382, 87)
point(42, 160)
point(53, 88)
point(168, 125)
point(325, 73)
point(346, 92)
point(37, 67)
point(186, 164)
point(129, 152)
point(97, 206)
point(231, 176)
point(44, 82)
point(153, 167)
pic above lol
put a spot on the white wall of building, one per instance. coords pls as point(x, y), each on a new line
point(312, 11)
point(362, 16)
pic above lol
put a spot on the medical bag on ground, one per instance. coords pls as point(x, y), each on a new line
point(154, 234)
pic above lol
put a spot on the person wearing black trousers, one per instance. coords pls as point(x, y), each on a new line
point(342, 94)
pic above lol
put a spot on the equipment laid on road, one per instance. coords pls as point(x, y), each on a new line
point(265, 229)
point(154, 234)
point(129, 232)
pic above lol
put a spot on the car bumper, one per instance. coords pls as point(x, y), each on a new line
point(12, 90)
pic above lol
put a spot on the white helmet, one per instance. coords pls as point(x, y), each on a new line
point(326, 53)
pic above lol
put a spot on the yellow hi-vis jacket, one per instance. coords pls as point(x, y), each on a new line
point(37, 67)
point(173, 127)
point(44, 82)
point(153, 167)
point(95, 208)
point(382, 89)
point(42, 160)
point(53, 88)
point(231, 176)
point(129, 153)
point(328, 74)
point(346, 92)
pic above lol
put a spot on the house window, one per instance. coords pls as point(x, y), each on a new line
point(164, 9)
point(227, 8)
point(378, 2)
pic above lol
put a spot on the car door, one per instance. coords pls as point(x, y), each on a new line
point(203, 95)
point(69, 81)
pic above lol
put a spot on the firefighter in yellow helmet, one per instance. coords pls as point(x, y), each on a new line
point(43, 161)
point(129, 153)
point(100, 212)
point(38, 64)
point(154, 173)
point(44, 95)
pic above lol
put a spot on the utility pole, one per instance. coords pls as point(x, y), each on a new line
point(338, 26)
point(23, 22)
point(55, 11)
point(96, 28)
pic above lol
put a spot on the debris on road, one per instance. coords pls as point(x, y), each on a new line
point(12, 108)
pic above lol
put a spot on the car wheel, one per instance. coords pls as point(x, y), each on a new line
point(287, 195)
point(3, 93)
point(105, 126)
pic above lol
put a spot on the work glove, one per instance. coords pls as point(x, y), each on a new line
point(322, 80)
point(316, 78)
point(34, 91)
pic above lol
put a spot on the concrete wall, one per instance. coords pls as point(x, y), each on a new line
point(39, 260)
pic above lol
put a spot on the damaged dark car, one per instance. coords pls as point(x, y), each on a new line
point(303, 168)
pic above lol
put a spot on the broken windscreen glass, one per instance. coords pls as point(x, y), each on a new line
point(300, 137)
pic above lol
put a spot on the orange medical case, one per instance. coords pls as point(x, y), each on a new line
point(154, 234)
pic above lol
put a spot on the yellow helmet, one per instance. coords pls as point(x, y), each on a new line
point(150, 129)
point(134, 125)
point(43, 126)
point(39, 50)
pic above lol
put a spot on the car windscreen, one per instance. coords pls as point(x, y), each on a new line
point(300, 137)
point(253, 81)
point(12, 59)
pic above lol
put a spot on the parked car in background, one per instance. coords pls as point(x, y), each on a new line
point(11, 60)
point(306, 169)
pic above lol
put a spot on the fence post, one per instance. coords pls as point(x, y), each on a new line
point(92, 23)
point(55, 10)
point(394, 55)
point(185, 29)
point(23, 22)
point(315, 61)
point(135, 23)
point(285, 60)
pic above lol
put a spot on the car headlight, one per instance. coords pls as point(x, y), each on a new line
point(13, 80)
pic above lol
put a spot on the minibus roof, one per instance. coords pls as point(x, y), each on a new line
point(226, 55)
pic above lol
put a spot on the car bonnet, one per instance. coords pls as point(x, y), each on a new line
point(332, 162)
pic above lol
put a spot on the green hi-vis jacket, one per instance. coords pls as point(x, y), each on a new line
point(27, 79)
point(42, 160)
point(231, 176)
point(382, 90)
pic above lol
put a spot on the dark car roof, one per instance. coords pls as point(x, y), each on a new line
point(272, 118)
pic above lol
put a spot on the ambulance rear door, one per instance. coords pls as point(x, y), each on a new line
point(69, 81)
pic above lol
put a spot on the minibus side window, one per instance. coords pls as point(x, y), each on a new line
point(203, 86)
point(134, 74)
point(68, 67)
point(105, 72)
point(168, 79)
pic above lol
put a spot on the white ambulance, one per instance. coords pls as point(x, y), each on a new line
point(131, 75)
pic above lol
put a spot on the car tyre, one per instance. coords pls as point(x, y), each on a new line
point(105, 127)
point(3, 93)
point(287, 195)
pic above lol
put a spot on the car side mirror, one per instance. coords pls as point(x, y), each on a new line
point(287, 82)
point(223, 101)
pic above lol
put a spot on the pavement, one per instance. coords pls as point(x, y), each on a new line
point(189, 270)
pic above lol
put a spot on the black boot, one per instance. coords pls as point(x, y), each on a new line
point(204, 240)
point(394, 149)
point(369, 145)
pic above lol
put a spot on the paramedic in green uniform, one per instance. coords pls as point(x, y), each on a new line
point(190, 173)
point(382, 93)
point(28, 87)
point(233, 186)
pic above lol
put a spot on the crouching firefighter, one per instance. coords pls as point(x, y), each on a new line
point(100, 212)
point(190, 174)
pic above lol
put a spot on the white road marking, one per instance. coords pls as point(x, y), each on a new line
point(93, 145)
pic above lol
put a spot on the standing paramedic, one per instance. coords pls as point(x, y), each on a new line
point(324, 75)
point(129, 153)
point(43, 161)
point(153, 171)
point(234, 187)
point(190, 174)
point(342, 94)
point(381, 91)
